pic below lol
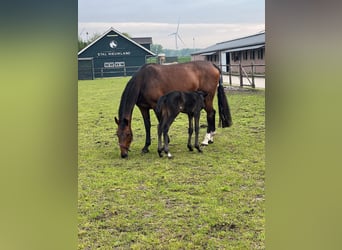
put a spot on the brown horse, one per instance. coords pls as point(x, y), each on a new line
point(152, 81)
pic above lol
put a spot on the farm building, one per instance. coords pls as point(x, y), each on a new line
point(113, 54)
point(244, 50)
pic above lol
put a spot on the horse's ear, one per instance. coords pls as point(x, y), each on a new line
point(116, 120)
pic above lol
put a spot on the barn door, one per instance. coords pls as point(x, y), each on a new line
point(227, 61)
point(223, 62)
point(85, 69)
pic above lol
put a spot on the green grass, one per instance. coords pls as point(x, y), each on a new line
point(213, 200)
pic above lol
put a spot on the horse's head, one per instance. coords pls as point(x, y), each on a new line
point(125, 136)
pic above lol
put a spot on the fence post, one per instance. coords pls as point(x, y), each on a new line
point(230, 74)
point(253, 83)
point(241, 76)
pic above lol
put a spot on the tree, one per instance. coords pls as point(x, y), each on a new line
point(82, 44)
point(126, 34)
point(94, 37)
point(157, 48)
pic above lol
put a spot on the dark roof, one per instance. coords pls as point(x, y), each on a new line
point(247, 42)
point(142, 40)
point(120, 34)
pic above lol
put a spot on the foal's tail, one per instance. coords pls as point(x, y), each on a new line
point(224, 111)
point(160, 109)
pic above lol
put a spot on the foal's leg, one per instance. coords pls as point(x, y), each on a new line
point(160, 148)
point(197, 118)
point(166, 141)
point(163, 129)
point(190, 131)
point(166, 128)
point(158, 115)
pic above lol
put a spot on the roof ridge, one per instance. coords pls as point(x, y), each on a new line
point(120, 34)
point(241, 38)
point(245, 41)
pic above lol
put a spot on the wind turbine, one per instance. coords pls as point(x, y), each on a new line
point(177, 36)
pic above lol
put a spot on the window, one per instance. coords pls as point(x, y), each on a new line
point(236, 56)
point(215, 58)
point(212, 58)
point(261, 54)
point(252, 55)
point(114, 64)
point(119, 64)
point(245, 55)
point(108, 65)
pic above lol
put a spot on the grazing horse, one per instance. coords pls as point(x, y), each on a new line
point(169, 106)
point(152, 81)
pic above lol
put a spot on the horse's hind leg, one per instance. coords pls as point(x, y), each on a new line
point(209, 137)
point(190, 131)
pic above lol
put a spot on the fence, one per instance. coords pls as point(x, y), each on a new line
point(246, 71)
point(115, 72)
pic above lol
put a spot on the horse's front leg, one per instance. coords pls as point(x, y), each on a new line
point(147, 122)
point(190, 131)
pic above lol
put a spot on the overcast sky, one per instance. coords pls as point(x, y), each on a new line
point(202, 22)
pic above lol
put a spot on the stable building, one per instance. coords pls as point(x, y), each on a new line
point(243, 51)
point(113, 54)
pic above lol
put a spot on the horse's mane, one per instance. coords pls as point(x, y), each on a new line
point(129, 96)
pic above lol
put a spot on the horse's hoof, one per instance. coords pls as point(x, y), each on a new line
point(190, 148)
point(169, 155)
point(210, 142)
point(145, 150)
point(199, 149)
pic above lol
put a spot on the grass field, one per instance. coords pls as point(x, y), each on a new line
point(213, 200)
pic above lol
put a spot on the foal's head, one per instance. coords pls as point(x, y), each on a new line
point(202, 97)
point(125, 136)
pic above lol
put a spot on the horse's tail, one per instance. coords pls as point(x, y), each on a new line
point(224, 111)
